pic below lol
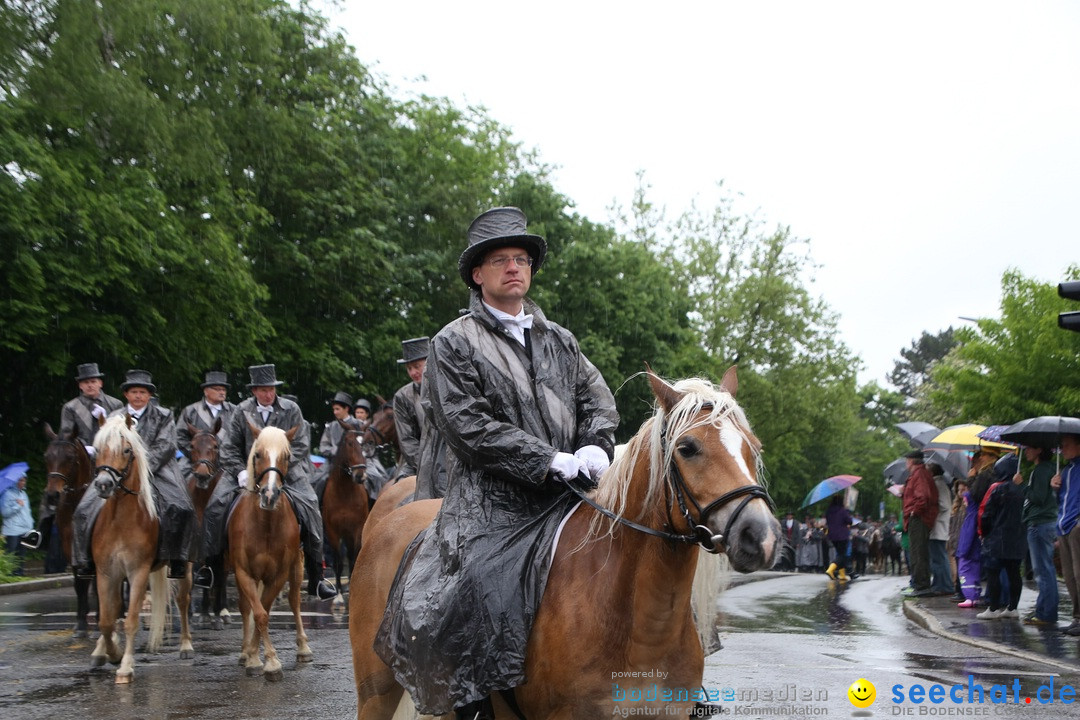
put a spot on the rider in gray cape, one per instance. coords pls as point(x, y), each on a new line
point(265, 409)
point(524, 415)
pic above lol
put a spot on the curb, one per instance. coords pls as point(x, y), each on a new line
point(45, 583)
point(921, 617)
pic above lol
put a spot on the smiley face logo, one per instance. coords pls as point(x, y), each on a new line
point(862, 693)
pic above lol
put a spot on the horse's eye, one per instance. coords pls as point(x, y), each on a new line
point(127, 451)
point(688, 448)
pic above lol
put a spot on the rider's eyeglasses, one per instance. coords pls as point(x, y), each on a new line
point(522, 261)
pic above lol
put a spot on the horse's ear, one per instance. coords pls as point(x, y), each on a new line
point(347, 424)
point(101, 420)
point(254, 428)
point(128, 420)
point(192, 430)
point(49, 434)
point(668, 396)
point(72, 434)
point(217, 425)
point(730, 383)
point(381, 400)
point(291, 432)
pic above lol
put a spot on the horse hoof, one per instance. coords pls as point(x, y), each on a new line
point(124, 679)
point(254, 670)
point(97, 660)
point(275, 676)
point(80, 633)
point(218, 624)
point(305, 658)
point(187, 654)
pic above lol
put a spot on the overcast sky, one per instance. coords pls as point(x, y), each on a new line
point(922, 148)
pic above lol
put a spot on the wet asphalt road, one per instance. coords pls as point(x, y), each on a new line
point(792, 644)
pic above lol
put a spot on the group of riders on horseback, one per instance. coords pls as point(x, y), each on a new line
point(507, 424)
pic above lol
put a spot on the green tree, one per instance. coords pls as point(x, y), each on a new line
point(1013, 367)
point(915, 363)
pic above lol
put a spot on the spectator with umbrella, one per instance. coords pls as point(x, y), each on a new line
point(942, 582)
point(1067, 483)
point(838, 520)
point(920, 512)
point(1040, 519)
point(15, 507)
point(1003, 541)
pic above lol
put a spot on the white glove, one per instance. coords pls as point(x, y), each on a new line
point(241, 478)
point(595, 459)
point(97, 411)
point(90, 450)
point(567, 466)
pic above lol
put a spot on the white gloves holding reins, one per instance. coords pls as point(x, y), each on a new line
point(590, 460)
point(595, 459)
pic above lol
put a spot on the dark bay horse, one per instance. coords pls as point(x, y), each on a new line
point(204, 475)
point(619, 598)
point(380, 434)
point(69, 471)
point(264, 550)
point(345, 501)
point(124, 545)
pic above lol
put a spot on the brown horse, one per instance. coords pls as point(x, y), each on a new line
point(264, 550)
point(203, 477)
point(124, 545)
point(345, 501)
point(619, 591)
point(381, 432)
point(390, 499)
point(69, 470)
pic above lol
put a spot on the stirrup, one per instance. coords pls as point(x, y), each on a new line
point(203, 578)
point(31, 540)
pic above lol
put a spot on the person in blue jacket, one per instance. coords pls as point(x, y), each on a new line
point(1067, 483)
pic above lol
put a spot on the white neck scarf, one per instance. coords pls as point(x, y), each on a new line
point(516, 324)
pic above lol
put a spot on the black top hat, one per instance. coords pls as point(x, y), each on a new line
point(216, 377)
point(497, 228)
point(263, 376)
point(88, 371)
point(342, 398)
point(364, 404)
point(138, 378)
point(413, 349)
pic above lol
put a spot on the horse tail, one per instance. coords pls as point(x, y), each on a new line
point(160, 608)
point(712, 576)
point(406, 709)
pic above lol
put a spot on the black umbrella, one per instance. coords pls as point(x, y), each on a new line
point(1045, 431)
point(914, 431)
point(896, 472)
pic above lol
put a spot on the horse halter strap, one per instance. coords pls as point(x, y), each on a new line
point(69, 485)
point(211, 466)
point(264, 472)
point(118, 476)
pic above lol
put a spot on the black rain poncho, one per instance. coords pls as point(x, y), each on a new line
point(467, 592)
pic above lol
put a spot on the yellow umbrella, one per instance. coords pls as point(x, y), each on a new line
point(964, 437)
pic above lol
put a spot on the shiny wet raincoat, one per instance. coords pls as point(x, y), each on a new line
point(468, 590)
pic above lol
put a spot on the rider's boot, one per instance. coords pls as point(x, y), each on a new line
point(479, 710)
point(319, 586)
point(831, 571)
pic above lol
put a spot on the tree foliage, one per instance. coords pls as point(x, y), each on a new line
point(1017, 366)
point(915, 363)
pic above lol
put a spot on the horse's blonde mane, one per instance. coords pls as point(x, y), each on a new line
point(111, 438)
point(697, 394)
point(270, 439)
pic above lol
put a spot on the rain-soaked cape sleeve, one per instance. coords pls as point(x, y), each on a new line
point(467, 592)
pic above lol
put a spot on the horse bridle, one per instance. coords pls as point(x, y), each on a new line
point(381, 438)
point(263, 473)
point(118, 475)
point(69, 484)
point(699, 534)
point(211, 466)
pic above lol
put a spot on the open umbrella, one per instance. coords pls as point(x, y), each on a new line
point(993, 432)
point(897, 490)
point(1045, 431)
point(963, 437)
point(11, 474)
point(896, 472)
point(829, 486)
point(917, 432)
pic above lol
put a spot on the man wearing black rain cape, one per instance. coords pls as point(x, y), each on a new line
point(524, 414)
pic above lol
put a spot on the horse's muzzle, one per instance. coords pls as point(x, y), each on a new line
point(105, 486)
point(202, 480)
point(268, 497)
point(755, 540)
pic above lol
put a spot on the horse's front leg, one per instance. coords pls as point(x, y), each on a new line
point(183, 604)
point(109, 599)
point(137, 582)
point(248, 597)
point(303, 651)
point(82, 606)
point(272, 668)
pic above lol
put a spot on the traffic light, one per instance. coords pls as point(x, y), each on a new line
point(1069, 291)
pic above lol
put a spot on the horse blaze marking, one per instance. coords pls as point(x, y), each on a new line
point(732, 440)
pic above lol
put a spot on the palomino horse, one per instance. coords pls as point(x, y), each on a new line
point(345, 501)
point(124, 545)
point(619, 591)
point(204, 474)
point(264, 550)
point(69, 470)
